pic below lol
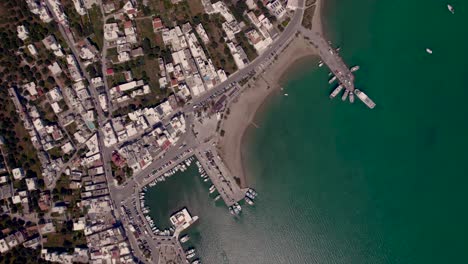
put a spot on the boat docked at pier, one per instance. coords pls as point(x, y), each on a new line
point(332, 80)
point(365, 99)
point(184, 239)
point(336, 91)
point(351, 97)
point(212, 189)
point(189, 256)
point(249, 201)
point(251, 193)
point(235, 209)
point(345, 95)
point(355, 68)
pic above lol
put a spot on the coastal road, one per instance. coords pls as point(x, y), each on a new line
point(275, 48)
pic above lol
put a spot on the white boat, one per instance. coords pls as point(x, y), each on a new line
point(332, 80)
point(237, 208)
point(286, 94)
point(252, 192)
point(429, 51)
point(355, 68)
point(249, 201)
point(345, 95)
point(451, 9)
point(184, 239)
point(189, 256)
point(351, 97)
point(190, 251)
point(320, 64)
point(212, 189)
point(336, 91)
point(365, 99)
point(196, 261)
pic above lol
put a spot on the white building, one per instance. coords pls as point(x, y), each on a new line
point(31, 184)
point(32, 49)
point(56, 107)
point(79, 7)
point(67, 148)
point(111, 31)
point(18, 173)
point(55, 68)
point(23, 33)
point(31, 88)
point(276, 8)
point(202, 33)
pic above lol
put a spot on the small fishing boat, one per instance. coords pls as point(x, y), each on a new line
point(451, 9)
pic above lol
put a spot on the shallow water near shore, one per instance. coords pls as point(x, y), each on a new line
point(340, 183)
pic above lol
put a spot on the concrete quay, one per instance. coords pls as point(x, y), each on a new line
point(330, 57)
point(219, 174)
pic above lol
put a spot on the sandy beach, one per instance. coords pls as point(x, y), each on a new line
point(244, 108)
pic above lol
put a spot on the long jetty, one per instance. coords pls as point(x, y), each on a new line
point(219, 175)
point(336, 64)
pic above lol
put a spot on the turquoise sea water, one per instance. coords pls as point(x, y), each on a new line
point(340, 183)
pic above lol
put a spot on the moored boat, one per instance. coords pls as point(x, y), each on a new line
point(184, 239)
point(351, 97)
point(249, 201)
point(365, 99)
point(355, 68)
point(212, 189)
point(336, 91)
point(345, 95)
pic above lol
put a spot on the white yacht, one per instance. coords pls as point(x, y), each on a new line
point(451, 9)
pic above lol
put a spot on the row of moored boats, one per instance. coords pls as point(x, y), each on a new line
point(145, 209)
point(340, 87)
point(180, 167)
point(249, 198)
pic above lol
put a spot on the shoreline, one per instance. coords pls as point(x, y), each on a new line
point(254, 99)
